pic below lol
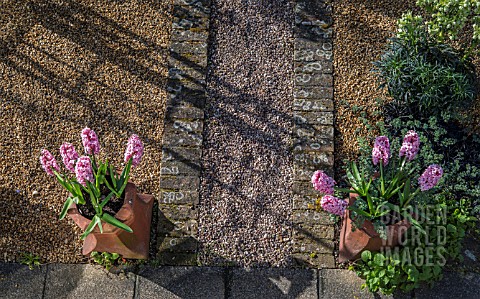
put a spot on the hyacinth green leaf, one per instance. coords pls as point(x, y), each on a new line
point(66, 206)
point(105, 201)
point(100, 177)
point(381, 206)
point(414, 222)
point(115, 222)
point(108, 185)
point(100, 227)
point(63, 182)
point(393, 207)
point(406, 192)
point(93, 190)
point(122, 183)
point(351, 180)
point(345, 190)
point(356, 173)
point(78, 193)
point(90, 227)
point(112, 175)
point(358, 211)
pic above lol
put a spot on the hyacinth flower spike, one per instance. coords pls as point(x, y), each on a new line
point(133, 155)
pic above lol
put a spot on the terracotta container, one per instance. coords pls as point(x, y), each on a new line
point(136, 212)
point(353, 243)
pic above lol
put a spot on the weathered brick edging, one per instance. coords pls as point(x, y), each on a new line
point(182, 140)
point(313, 232)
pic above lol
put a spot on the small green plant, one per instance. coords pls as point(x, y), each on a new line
point(30, 259)
point(422, 259)
point(106, 259)
point(425, 77)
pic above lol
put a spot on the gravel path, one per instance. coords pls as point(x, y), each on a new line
point(245, 201)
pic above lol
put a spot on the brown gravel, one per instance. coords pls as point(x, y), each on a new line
point(246, 185)
point(361, 29)
point(65, 65)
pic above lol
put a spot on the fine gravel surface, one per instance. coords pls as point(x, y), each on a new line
point(65, 65)
point(245, 201)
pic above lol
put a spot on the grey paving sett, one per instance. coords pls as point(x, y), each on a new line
point(181, 282)
point(273, 283)
point(86, 281)
point(17, 281)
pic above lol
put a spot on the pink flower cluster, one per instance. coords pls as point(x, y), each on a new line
point(430, 177)
point(322, 182)
point(83, 170)
point(333, 205)
point(69, 156)
point(90, 141)
point(410, 145)
point(134, 150)
point(381, 150)
point(48, 162)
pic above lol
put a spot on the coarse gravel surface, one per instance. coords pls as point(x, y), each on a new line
point(361, 29)
point(245, 202)
point(65, 65)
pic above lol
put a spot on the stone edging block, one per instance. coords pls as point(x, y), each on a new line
point(313, 132)
point(182, 137)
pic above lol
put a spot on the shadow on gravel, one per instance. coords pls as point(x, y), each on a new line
point(95, 34)
point(25, 220)
point(64, 65)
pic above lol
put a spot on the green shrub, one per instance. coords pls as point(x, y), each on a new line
point(424, 77)
point(449, 18)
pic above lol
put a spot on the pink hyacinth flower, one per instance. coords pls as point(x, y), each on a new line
point(48, 162)
point(83, 170)
point(134, 150)
point(410, 145)
point(334, 205)
point(430, 177)
point(69, 156)
point(322, 182)
point(90, 141)
point(381, 150)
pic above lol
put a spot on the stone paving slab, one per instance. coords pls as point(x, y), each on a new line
point(272, 283)
point(18, 281)
point(453, 285)
point(80, 280)
point(181, 282)
point(344, 284)
point(87, 281)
